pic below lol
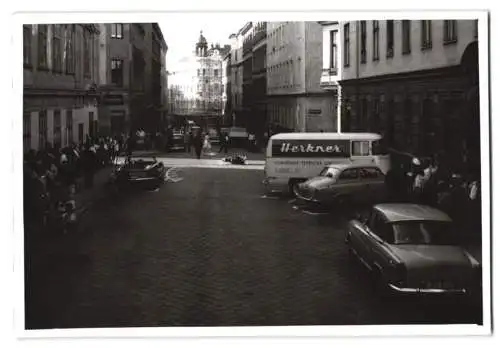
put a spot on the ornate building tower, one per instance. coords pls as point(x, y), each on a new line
point(201, 46)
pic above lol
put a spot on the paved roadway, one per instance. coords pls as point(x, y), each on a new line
point(208, 248)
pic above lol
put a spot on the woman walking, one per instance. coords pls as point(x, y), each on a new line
point(206, 145)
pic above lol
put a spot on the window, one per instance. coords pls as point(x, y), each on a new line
point(390, 39)
point(376, 39)
point(42, 46)
point(370, 173)
point(329, 172)
point(216, 72)
point(80, 132)
point(56, 48)
point(406, 36)
point(117, 31)
point(204, 72)
point(360, 148)
point(27, 131)
point(70, 49)
point(27, 30)
point(69, 126)
point(42, 129)
point(86, 53)
point(426, 30)
point(363, 42)
point(380, 227)
point(450, 31)
point(349, 174)
point(57, 127)
point(333, 51)
point(347, 45)
point(424, 232)
point(117, 72)
point(91, 123)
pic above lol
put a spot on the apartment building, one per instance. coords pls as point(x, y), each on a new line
point(258, 119)
point(296, 101)
point(416, 82)
point(60, 75)
point(240, 79)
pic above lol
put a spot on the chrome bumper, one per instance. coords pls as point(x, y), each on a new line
point(302, 198)
point(426, 291)
point(141, 179)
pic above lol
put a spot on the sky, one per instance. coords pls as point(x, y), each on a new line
point(182, 32)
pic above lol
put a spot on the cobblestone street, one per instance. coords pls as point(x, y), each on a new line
point(209, 250)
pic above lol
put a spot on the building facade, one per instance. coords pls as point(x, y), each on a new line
point(196, 89)
point(237, 60)
point(258, 117)
point(416, 82)
point(114, 79)
point(60, 75)
point(132, 69)
point(296, 102)
point(331, 72)
point(147, 47)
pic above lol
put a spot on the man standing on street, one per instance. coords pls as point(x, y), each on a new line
point(198, 144)
point(187, 141)
point(224, 142)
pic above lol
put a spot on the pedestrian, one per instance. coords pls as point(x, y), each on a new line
point(170, 137)
point(198, 144)
point(89, 162)
point(206, 144)
point(224, 142)
point(130, 144)
point(187, 141)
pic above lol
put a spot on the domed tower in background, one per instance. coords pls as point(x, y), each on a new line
point(201, 46)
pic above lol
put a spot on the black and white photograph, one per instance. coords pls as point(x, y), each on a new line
point(191, 170)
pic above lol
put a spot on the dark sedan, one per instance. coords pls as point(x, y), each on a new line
point(145, 171)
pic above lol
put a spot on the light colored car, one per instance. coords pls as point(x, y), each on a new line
point(344, 183)
point(412, 248)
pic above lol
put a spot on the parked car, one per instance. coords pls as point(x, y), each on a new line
point(344, 184)
point(139, 171)
point(412, 249)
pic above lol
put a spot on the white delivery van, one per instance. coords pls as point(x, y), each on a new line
point(292, 158)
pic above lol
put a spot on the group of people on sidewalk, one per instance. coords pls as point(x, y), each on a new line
point(51, 175)
point(433, 182)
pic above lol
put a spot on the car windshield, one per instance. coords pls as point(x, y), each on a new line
point(329, 172)
point(423, 232)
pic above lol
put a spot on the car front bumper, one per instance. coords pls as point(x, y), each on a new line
point(408, 290)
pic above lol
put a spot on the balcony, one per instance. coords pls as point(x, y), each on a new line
point(329, 78)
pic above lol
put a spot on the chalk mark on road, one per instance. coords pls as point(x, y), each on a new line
point(172, 175)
